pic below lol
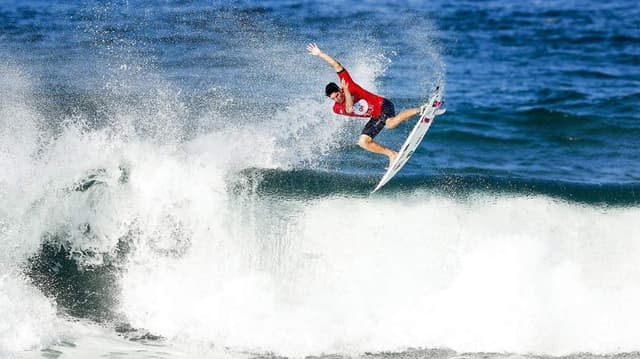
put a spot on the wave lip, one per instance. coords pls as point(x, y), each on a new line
point(308, 184)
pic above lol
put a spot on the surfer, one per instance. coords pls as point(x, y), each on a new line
point(354, 101)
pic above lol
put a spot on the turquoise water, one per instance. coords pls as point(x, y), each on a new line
point(174, 183)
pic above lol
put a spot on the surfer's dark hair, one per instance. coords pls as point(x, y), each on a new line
point(331, 88)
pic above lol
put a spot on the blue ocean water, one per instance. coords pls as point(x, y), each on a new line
point(174, 183)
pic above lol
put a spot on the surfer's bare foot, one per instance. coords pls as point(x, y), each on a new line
point(421, 110)
point(392, 158)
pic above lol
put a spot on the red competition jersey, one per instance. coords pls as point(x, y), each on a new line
point(365, 103)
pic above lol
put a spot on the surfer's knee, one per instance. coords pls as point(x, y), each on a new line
point(364, 141)
point(391, 123)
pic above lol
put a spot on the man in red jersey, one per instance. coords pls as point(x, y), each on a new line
point(352, 100)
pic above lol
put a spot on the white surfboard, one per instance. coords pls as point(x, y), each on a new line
point(415, 137)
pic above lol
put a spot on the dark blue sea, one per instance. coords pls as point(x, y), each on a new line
point(174, 184)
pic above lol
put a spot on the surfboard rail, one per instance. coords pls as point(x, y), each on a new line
point(415, 137)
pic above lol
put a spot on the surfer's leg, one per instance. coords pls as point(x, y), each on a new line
point(369, 132)
point(370, 145)
point(393, 122)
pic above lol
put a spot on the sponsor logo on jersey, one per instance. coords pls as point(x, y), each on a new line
point(361, 107)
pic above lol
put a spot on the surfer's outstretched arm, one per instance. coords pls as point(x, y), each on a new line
point(315, 51)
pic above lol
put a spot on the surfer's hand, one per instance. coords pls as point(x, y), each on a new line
point(345, 85)
point(313, 49)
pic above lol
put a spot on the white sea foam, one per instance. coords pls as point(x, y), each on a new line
point(349, 275)
point(28, 318)
point(150, 185)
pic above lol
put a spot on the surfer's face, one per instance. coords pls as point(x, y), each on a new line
point(337, 97)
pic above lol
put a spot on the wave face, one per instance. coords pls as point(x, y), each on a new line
point(173, 182)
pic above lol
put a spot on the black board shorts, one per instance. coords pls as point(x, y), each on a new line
point(375, 125)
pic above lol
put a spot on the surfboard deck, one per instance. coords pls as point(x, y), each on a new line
point(434, 108)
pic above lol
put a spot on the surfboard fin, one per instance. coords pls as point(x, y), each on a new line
point(440, 111)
